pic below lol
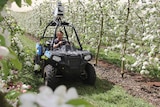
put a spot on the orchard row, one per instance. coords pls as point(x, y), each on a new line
point(131, 29)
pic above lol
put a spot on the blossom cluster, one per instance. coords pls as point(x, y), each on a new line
point(19, 50)
point(142, 41)
point(17, 43)
point(47, 98)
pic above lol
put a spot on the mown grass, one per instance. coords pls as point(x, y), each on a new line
point(28, 43)
point(115, 97)
point(111, 57)
point(106, 94)
point(103, 94)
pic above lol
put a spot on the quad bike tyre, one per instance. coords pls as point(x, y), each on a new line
point(50, 78)
point(90, 74)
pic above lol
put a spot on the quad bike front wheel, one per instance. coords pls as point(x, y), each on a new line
point(50, 78)
point(90, 74)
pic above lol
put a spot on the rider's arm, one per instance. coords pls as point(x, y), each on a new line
point(56, 45)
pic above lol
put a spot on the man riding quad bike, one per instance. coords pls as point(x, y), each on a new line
point(63, 57)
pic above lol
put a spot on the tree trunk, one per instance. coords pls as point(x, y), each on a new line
point(125, 41)
point(101, 34)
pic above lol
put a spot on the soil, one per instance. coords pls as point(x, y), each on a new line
point(135, 84)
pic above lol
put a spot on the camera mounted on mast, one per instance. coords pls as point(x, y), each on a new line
point(57, 22)
point(59, 12)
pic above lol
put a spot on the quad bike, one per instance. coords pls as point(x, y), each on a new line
point(69, 61)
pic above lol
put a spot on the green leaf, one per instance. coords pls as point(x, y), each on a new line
point(14, 60)
point(5, 68)
point(2, 3)
point(29, 2)
point(12, 94)
point(2, 41)
point(135, 1)
point(18, 2)
point(78, 102)
point(1, 18)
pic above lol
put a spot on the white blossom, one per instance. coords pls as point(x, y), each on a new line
point(133, 54)
point(143, 67)
point(148, 37)
point(127, 66)
point(133, 44)
point(151, 53)
point(107, 39)
point(118, 39)
point(28, 63)
point(16, 52)
point(24, 86)
point(47, 98)
point(156, 59)
point(137, 47)
point(153, 47)
point(20, 46)
point(28, 98)
point(144, 72)
point(4, 51)
point(106, 51)
point(135, 64)
point(71, 94)
point(119, 46)
point(145, 63)
point(144, 12)
point(153, 10)
point(123, 59)
point(6, 32)
point(22, 54)
point(132, 69)
point(36, 67)
point(28, 105)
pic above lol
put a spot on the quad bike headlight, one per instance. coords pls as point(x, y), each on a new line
point(87, 57)
point(56, 58)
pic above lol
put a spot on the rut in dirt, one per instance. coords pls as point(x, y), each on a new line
point(134, 83)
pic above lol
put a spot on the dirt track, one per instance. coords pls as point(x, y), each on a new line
point(135, 84)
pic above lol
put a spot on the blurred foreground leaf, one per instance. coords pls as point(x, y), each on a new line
point(2, 3)
point(5, 68)
point(79, 102)
point(29, 2)
point(2, 41)
point(12, 94)
point(14, 60)
point(18, 2)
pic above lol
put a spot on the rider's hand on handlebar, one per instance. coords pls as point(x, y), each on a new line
point(60, 42)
